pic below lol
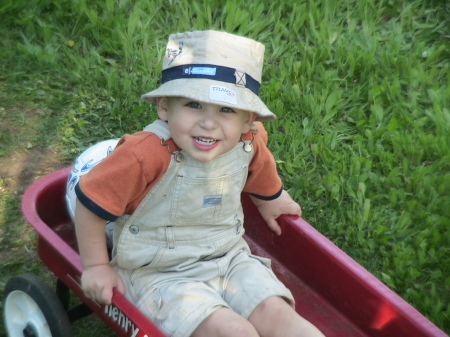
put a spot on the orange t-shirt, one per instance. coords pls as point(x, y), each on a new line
point(119, 183)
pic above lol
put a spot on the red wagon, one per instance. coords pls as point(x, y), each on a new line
point(332, 291)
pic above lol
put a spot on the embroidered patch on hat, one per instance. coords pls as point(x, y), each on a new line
point(174, 53)
point(212, 200)
point(222, 94)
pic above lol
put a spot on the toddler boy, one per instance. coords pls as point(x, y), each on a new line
point(173, 192)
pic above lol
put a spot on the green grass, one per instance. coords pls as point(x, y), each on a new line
point(361, 90)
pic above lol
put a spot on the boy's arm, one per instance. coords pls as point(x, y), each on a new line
point(272, 209)
point(98, 278)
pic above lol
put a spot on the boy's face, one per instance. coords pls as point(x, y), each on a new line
point(205, 131)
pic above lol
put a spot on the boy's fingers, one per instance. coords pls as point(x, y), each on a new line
point(106, 295)
point(273, 225)
point(293, 209)
point(121, 286)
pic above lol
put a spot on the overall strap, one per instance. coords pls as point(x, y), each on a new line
point(159, 128)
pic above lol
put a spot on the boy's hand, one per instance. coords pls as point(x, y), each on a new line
point(98, 278)
point(272, 209)
point(98, 283)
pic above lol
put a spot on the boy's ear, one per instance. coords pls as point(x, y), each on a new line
point(249, 122)
point(161, 107)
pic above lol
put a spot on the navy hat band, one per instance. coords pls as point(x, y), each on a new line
point(212, 72)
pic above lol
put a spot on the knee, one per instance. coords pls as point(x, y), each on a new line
point(242, 328)
point(225, 323)
point(274, 307)
point(275, 317)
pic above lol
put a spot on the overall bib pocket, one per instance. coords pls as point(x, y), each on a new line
point(207, 201)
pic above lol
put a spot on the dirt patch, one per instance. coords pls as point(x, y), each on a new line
point(20, 165)
point(24, 161)
point(17, 172)
point(22, 168)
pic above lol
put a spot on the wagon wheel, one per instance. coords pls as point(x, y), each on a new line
point(32, 309)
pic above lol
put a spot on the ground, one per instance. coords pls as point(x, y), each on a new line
point(18, 170)
point(22, 161)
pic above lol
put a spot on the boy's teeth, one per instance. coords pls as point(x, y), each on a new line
point(205, 140)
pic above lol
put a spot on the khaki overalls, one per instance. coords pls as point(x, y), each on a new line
point(189, 227)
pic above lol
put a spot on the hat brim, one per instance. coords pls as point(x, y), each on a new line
point(198, 90)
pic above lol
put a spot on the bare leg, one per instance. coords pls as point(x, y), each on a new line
point(225, 322)
point(275, 318)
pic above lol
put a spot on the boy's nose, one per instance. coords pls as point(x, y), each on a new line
point(209, 120)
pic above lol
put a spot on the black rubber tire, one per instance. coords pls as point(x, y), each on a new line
point(20, 293)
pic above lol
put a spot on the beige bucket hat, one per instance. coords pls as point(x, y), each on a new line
point(214, 67)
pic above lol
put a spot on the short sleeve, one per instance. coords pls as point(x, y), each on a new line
point(263, 180)
point(118, 184)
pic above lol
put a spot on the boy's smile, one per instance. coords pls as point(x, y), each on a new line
point(204, 130)
point(205, 144)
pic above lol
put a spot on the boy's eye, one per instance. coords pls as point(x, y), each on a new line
point(226, 109)
point(194, 105)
